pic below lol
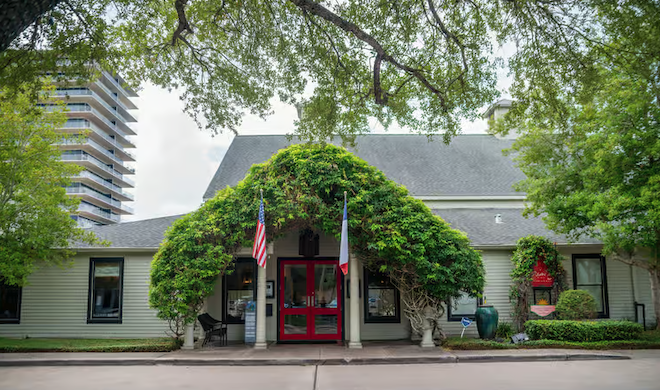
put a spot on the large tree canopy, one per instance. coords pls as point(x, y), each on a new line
point(35, 221)
point(422, 64)
point(303, 187)
point(592, 154)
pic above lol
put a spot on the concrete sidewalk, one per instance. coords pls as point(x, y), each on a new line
point(302, 355)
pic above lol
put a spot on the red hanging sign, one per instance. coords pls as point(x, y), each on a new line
point(540, 275)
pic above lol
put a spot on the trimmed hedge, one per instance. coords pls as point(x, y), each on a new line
point(467, 344)
point(576, 305)
point(582, 331)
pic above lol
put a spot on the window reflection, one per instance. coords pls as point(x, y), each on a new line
point(10, 303)
point(239, 290)
point(381, 298)
point(106, 289)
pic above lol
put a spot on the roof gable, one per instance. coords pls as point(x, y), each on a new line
point(469, 165)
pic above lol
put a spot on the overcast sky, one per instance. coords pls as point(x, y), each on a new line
point(176, 160)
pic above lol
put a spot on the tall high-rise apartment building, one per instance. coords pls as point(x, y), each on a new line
point(102, 110)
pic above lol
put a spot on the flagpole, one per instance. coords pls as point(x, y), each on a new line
point(260, 342)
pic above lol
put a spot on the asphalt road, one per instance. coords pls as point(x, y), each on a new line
point(643, 372)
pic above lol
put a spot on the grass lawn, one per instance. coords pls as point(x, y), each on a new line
point(88, 345)
point(648, 340)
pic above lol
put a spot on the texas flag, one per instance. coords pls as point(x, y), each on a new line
point(343, 250)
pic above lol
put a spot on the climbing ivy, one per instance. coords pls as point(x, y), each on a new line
point(303, 187)
point(528, 251)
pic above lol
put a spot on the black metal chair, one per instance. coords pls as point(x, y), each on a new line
point(212, 327)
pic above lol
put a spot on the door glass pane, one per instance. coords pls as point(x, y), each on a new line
point(325, 324)
point(295, 324)
point(295, 286)
point(588, 271)
point(596, 292)
point(325, 285)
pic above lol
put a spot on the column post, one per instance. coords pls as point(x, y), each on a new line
point(354, 274)
point(189, 337)
point(261, 309)
point(261, 302)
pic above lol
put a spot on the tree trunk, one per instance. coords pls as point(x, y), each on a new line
point(17, 15)
point(655, 293)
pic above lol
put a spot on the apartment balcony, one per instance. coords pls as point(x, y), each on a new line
point(97, 166)
point(97, 215)
point(84, 222)
point(92, 114)
point(99, 135)
point(97, 151)
point(92, 98)
point(101, 200)
point(125, 93)
point(97, 182)
point(110, 96)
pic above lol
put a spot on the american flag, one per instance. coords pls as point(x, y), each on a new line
point(259, 248)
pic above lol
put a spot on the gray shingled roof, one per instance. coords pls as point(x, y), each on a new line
point(147, 233)
point(481, 229)
point(478, 224)
point(469, 165)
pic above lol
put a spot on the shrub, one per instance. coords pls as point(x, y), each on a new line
point(576, 305)
point(583, 331)
point(504, 330)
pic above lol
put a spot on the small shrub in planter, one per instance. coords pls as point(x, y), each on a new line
point(583, 331)
point(576, 305)
point(504, 331)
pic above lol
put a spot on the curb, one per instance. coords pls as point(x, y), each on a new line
point(540, 358)
point(174, 361)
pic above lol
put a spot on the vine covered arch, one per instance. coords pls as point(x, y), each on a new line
point(303, 187)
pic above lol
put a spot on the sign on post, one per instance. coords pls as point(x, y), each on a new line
point(465, 322)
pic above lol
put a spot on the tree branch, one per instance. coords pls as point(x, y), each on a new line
point(630, 259)
point(381, 98)
point(317, 9)
point(453, 37)
point(184, 26)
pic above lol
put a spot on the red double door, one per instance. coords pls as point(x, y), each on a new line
point(310, 300)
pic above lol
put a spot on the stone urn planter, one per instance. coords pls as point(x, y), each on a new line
point(487, 318)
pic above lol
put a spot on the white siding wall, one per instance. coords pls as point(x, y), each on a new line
point(497, 264)
point(625, 285)
point(643, 294)
point(54, 304)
